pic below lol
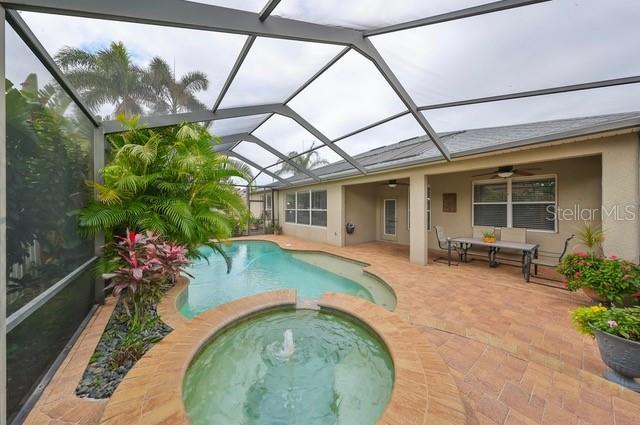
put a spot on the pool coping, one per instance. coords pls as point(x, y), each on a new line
point(424, 391)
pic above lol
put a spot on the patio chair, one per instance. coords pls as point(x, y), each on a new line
point(512, 235)
point(550, 259)
point(477, 233)
point(479, 230)
point(444, 245)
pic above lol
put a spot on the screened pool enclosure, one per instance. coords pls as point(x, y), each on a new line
point(299, 91)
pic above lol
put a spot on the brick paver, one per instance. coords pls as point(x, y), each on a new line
point(508, 345)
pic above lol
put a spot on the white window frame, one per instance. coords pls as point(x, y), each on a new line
point(310, 209)
point(384, 217)
point(428, 207)
point(509, 203)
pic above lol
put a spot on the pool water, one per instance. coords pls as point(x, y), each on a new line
point(290, 367)
point(263, 266)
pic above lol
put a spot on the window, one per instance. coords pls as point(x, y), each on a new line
point(303, 204)
point(319, 208)
point(390, 217)
point(306, 207)
point(290, 208)
point(534, 204)
point(527, 203)
point(490, 204)
point(267, 206)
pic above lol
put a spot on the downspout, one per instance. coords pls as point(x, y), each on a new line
point(273, 207)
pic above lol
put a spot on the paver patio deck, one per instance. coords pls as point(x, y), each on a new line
point(509, 345)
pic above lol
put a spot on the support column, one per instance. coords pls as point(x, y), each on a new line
point(419, 241)
point(335, 214)
point(98, 165)
point(620, 198)
point(3, 230)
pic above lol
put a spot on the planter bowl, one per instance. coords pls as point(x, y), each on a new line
point(622, 356)
point(489, 240)
point(593, 294)
point(627, 301)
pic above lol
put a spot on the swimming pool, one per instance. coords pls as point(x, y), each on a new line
point(290, 368)
point(260, 266)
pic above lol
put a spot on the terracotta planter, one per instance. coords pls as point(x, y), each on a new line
point(628, 301)
point(488, 240)
point(622, 356)
point(593, 294)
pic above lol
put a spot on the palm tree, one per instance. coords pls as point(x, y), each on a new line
point(171, 95)
point(106, 76)
point(167, 180)
point(308, 160)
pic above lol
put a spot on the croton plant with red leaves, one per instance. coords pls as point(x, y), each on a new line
point(147, 264)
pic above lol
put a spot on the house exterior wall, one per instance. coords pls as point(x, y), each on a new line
point(578, 185)
point(617, 172)
point(620, 199)
point(360, 209)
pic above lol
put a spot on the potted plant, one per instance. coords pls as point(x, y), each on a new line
point(277, 229)
point(489, 236)
point(617, 332)
point(606, 280)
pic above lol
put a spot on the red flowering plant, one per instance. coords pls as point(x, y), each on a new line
point(612, 278)
point(147, 266)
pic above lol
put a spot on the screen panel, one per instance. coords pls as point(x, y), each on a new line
point(366, 14)
point(349, 95)
point(49, 158)
point(246, 5)
point(274, 69)
point(236, 125)
point(286, 135)
point(138, 68)
point(35, 343)
point(256, 153)
point(389, 133)
point(585, 103)
point(544, 45)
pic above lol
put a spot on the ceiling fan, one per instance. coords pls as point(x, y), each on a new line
point(508, 171)
point(393, 183)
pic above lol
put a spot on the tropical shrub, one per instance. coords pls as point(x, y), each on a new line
point(591, 237)
point(146, 264)
point(622, 322)
point(612, 278)
point(169, 181)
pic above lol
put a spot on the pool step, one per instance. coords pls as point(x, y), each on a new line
point(308, 303)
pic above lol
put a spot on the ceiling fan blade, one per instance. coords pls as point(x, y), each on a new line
point(522, 172)
point(484, 174)
point(495, 176)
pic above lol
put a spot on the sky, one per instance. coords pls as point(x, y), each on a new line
point(544, 45)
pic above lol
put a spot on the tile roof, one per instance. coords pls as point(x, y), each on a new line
point(467, 142)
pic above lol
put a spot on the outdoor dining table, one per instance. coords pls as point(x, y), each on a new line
point(529, 251)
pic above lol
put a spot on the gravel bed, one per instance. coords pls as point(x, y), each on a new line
point(103, 374)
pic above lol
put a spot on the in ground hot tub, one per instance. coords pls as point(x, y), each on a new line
point(290, 367)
